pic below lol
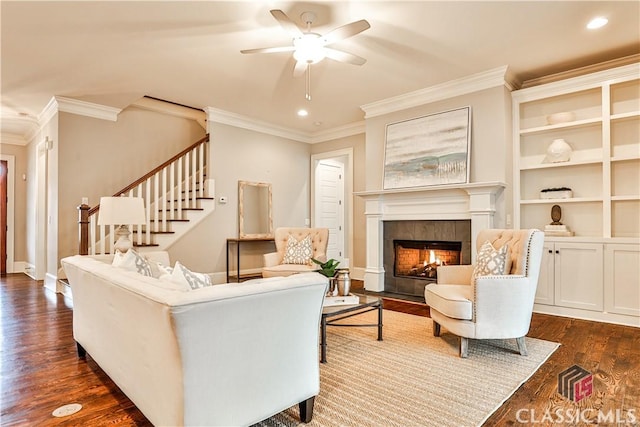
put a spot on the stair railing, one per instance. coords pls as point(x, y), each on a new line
point(167, 190)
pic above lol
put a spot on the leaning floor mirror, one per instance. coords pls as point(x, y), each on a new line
point(254, 210)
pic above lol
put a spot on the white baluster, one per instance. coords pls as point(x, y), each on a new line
point(164, 199)
point(194, 166)
point(92, 234)
point(185, 176)
point(201, 169)
point(180, 175)
point(172, 186)
point(156, 200)
point(147, 224)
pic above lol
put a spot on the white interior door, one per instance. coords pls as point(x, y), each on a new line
point(329, 205)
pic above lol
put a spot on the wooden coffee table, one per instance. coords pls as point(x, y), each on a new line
point(331, 315)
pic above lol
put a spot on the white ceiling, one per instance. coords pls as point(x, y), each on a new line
point(114, 52)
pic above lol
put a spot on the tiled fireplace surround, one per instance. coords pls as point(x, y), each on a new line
point(475, 202)
point(427, 230)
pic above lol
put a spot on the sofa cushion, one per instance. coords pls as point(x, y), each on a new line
point(491, 261)
point(132, 261)
point(298, 252)
point(451, 300)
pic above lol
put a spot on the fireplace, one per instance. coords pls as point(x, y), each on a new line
point(413, 250)
point(420, 259)
point(478, 204)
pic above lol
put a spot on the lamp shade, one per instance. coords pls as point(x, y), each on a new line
point(121, 211)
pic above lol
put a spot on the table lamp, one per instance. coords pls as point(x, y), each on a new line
point(121, 211)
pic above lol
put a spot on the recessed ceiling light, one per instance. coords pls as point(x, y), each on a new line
point(598, 22)
point(303, 113)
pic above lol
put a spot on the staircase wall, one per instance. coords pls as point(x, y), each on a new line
point(241, 154)
point(97, 157)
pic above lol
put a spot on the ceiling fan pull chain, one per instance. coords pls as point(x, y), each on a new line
point(307, 94)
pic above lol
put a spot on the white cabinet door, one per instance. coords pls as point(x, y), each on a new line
point(579, 276)
point(622, 279)
point(544, 291)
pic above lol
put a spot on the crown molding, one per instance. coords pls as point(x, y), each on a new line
point(172, 110)
point(237, 120)
point(81, 108)
point(13, 139)
point(500, 76)
point(347, 130)
point(593, 68)
point(611, 76)
point(243, 122)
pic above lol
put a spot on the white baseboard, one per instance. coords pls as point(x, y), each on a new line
point(29, 270)
point(51, 282)
point(17, 267)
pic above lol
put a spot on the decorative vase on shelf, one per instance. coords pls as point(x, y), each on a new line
point(558, 151)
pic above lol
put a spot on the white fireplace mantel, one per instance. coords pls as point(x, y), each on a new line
point(475, 201)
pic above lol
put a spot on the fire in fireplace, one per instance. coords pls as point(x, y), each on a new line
point(419, 259)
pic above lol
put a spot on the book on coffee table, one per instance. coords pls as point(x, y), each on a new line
point(341, 300)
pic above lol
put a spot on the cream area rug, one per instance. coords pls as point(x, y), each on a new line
point(413, 378)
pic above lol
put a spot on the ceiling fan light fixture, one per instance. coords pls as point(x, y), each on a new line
point(309, 48)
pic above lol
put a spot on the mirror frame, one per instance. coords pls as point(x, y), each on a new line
point(241, 233)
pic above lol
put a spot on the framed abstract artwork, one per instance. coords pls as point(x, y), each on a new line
point(429, 150)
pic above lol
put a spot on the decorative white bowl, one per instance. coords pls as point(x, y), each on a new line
point(563, 117)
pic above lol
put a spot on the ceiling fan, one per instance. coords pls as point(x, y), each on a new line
point(310, 48)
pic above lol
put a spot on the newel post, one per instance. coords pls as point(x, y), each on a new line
point(83, 221)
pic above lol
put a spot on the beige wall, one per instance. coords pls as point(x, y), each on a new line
point(491, 147)
point(241, 154)
point(98, 158)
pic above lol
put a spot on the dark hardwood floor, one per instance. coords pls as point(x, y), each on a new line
point(40, 369)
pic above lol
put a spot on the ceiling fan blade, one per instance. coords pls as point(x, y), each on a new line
point(349, 58)
point(286, 23)
point(270, 49)
point(299, 68)
point(346, 31)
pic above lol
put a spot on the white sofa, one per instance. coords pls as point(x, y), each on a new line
point(231, 354)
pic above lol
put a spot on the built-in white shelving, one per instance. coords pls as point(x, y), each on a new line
point(603, 173)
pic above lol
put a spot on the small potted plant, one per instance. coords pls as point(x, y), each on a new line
point(329, 269)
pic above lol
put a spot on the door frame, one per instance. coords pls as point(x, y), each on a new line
point(11, 173)
point(347, 204)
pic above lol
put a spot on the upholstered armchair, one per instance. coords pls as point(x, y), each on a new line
point(492, 299)
point(294, 249)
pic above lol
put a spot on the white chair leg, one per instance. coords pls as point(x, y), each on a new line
point(436, 329)
point(522, 346)
point(464, 347)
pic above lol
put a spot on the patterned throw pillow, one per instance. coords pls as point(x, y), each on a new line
point(298, 252)
point(188, 279)
point(132, 261)
point(490, 261)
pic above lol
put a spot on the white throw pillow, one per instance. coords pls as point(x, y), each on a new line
point(132, 261)
point(298, 252)
point(189, 280)
point(490, 261)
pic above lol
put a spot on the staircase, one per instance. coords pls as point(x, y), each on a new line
point(176, 196)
